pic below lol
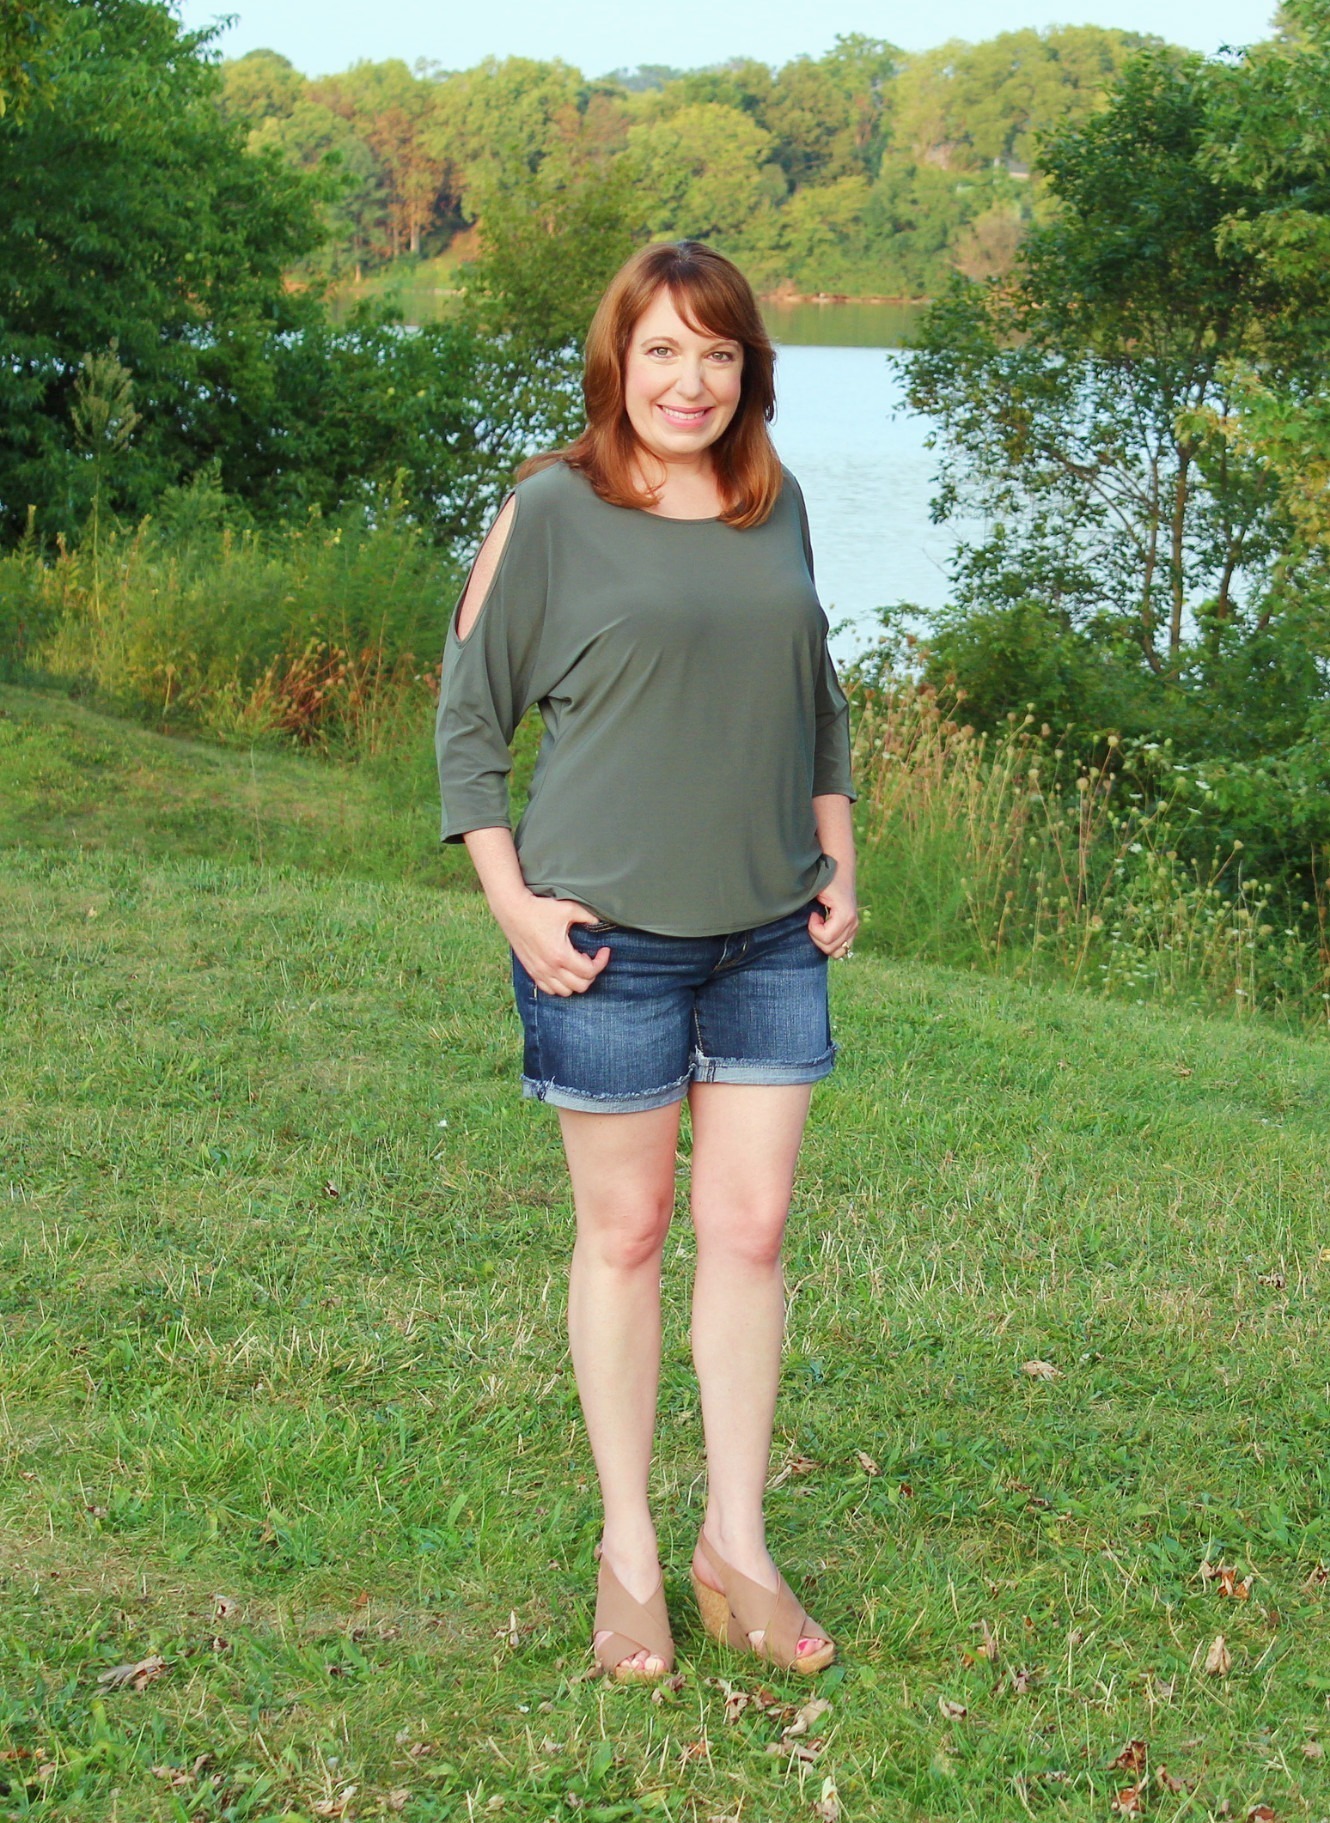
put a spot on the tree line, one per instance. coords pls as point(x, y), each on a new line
point(869, 170)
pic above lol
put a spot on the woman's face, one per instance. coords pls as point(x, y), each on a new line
point(681, 388)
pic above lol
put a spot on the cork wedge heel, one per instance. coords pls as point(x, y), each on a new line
point(741, 1607)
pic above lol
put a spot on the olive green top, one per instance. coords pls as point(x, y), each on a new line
point(691, 710)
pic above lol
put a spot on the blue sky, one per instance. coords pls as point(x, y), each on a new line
point(320, 36)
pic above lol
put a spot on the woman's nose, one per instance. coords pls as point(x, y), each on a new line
point(688, 381)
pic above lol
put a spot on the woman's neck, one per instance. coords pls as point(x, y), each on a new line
point(682, 490)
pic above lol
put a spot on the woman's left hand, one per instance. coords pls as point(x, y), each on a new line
point(834, 934)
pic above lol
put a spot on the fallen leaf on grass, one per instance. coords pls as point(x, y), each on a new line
point(954, 1712)
point(180, 1776)
point(1021, 1680)
point(137, 1676)
point(765, 1701)
point(1218, 1660)
point(827, 1807)
point(1260, 1813)
point(330, 1189)
point(1041, 1370)
point(1275, 1280)
point(224, 1608)
point(988, 1644)
point(1226, 1575)
point(1318, 1578)
point(667, 1687)
point(1312, 1750)
point(1128, 1802)
point(866, 1463)
point(1131, 1759)
point(803, 1465)
point(398, 1799)
point(805, 1752)
point(509, 1634)
point(1168, 1782)
point(335, 1807)
point(804, 1719)
point(695, 1750)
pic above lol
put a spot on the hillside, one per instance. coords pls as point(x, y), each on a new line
point(287, 1425)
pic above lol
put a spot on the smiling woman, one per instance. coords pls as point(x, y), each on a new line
point(684, 869)
point(681, 389)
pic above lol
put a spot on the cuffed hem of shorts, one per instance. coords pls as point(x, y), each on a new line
point(739, 1069)
point(558, 1097)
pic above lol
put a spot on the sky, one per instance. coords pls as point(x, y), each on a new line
point(597, 36)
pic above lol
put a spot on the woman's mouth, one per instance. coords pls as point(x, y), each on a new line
point(686, 420)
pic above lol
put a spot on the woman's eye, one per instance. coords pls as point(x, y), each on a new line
point(722, 354)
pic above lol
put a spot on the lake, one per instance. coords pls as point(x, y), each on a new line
point(842, 427)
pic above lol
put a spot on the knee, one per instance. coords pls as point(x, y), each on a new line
point(626, 1239)
point(747, 1235)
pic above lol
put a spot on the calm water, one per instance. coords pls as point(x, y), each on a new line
point(842, 427)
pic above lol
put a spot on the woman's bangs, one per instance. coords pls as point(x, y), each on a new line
point(708, 306)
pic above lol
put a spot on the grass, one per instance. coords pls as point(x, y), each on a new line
point(285, 1402)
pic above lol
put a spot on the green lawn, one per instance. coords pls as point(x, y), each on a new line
point(285, 1403)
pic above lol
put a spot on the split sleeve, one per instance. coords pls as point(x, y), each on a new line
point(489, 680)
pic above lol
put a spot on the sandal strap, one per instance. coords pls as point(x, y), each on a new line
point(776, 1613)
point(633, 1626)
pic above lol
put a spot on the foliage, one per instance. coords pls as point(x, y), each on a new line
point(1116, 874)
point(1136, 416)
point(186, 219)
point(194, 619)
point(923, 162)
point(701, 169)
point(135, 219)
point(26, 31)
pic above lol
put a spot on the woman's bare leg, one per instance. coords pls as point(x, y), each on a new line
point(745, 1147)
point(622, 1171)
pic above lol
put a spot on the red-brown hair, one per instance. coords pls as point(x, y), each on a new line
point(714, 298)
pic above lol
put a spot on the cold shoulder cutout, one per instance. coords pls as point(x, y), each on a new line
point(485, 567)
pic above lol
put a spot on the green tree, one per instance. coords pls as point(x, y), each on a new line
point(136, 217)
point(262, 85)
point(27, 31)
point(700, 170)
point(392, 110)
point(1138, 417)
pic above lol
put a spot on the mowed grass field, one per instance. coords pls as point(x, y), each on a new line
point(296, 1513)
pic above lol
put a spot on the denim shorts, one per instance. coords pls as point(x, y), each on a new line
point(666, 1012)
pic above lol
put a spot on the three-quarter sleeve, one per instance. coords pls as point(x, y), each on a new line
point(831, 748)
point(488, 682)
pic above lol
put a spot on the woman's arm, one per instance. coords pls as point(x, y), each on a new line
point(835, 832)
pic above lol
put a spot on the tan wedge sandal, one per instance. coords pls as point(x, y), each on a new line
point(742, 1606)
point(632, 1626)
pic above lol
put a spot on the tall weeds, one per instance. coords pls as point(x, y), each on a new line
point(1005, 853)
point(325, 635)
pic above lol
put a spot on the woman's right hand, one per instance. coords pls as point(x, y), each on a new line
point(537, 928)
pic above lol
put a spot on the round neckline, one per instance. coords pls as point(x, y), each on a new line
point(679, 519)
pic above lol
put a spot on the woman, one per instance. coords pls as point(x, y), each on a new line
point(682, 873)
